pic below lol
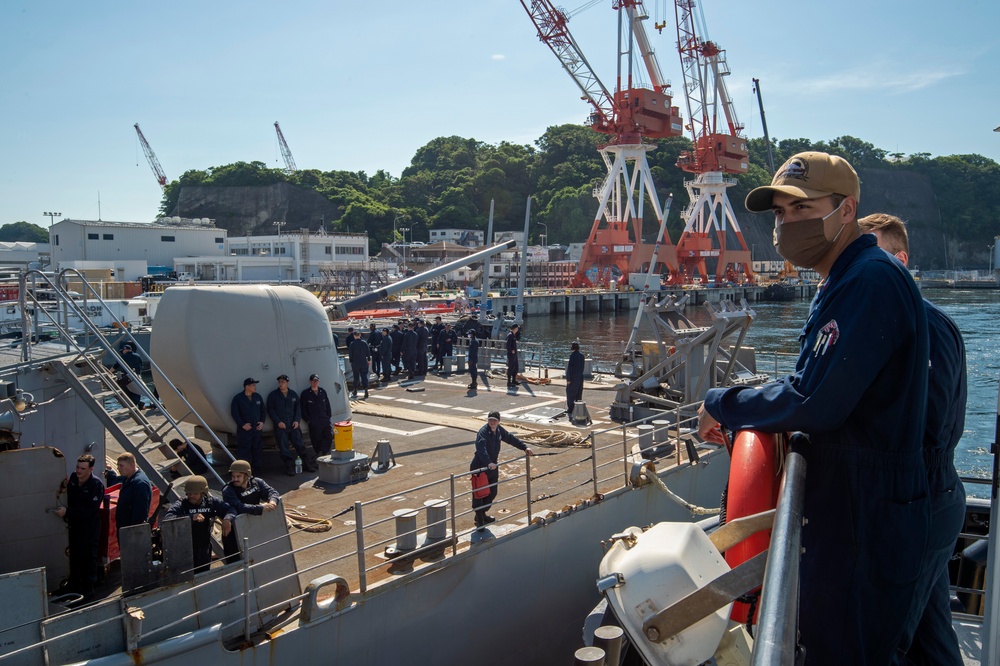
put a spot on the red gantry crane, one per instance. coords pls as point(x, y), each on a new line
point(718, 150)
point(628, 115)
point(286, 152)
point(154, 163)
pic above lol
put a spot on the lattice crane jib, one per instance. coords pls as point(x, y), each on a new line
point(286, 152)
point(154, 163)
point(628, 115)
point(718, 150)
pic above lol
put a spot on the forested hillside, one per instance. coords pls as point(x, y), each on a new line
point(952, 203)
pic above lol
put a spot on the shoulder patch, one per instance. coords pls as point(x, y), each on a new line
point(828, 336)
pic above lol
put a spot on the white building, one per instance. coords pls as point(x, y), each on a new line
point(159, 243)
point(20, 254)
point(289, 257)
point(466, 237)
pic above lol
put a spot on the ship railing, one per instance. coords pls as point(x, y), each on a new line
point(363, 548)
point(779, 604)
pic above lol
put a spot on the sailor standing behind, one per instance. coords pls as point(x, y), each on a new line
point(245, 494)
point(385, 355)
point(488, 441)
point(84, 493)
point(512, 364)
point(317, 413)
point(249, 412)
point(473, 358)
point(202, 509)
point(358, 352)
point(574, 378)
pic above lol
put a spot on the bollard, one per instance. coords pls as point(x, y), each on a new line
point(609, 638)
point(383, 454)
point(580, 414)
point(437, 517)
point(645, 437)
point(460, 362)
point(589, 656)
point(448, 364)
point(406, 529)
point(661, 430)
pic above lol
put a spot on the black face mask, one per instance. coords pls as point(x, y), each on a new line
point(806, 242)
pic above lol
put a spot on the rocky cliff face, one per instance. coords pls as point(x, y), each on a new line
point(253, 210)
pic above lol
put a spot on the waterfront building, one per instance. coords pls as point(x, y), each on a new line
point(465, 237)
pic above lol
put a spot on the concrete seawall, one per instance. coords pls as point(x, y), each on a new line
point(572, 301)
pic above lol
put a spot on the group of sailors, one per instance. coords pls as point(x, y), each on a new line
point(85, 495)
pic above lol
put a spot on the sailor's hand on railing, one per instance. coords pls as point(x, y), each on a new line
point(227, 526)
point(528, 452)
point(708, 427)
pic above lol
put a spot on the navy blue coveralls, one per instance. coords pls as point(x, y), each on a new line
point(83, 516)
point(473, 360)
point(249, 443)
point(374, 340)
point(435, 336)
point(410, 353)
point(385, 356)
point(192, 460)
point(421, 349)
point(934, 641)
point(488, 451)
point(201, 532)
point(134, 362)
point(316, 411)
point(357, 353)
point(285, 409)
point(574, 380)
point(245, 500)
point(134, 498)
point(860, 391)
point(512, 364)
point(397, 347)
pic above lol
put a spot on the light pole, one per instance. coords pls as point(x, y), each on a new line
point(404, 230)
point(545, 236)
point(991, 257)
point(279, 224)
point(52, 217)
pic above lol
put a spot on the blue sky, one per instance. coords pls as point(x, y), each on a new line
point(361, 86)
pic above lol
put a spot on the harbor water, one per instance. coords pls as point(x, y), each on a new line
point(776, 329)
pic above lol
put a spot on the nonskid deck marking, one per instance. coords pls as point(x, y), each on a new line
point(468, 409)
point(396, 431)
point(436, 404)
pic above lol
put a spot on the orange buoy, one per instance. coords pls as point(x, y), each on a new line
point(754, 479)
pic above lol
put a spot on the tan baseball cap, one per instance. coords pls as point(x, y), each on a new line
point(809, 175)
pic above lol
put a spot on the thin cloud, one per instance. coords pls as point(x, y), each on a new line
point(879, 77)
point(498, 56)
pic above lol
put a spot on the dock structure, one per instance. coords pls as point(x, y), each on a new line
point(585, 301)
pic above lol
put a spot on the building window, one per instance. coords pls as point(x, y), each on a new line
point(57, 239)
point(109, 236)
point(329, 250)
point(167, 239)
point(349, 250)
point(220, 240)
point(93, 236)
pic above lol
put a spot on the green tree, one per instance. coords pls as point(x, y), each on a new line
point(24, 232)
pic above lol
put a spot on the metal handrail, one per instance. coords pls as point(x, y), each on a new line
point(776, 626)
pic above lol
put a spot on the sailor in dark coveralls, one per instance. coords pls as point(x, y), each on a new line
point(135, 495)
point(385, 355)
point(245, 494)
point(487, 452)
point(574, 377)
point(473, 358)
point(358, 352)
point(397, 348)
point(286, 414)
point(82, 513)
point(934, 640)
point(859, 391)
point(446, 342)
point(435, 335)
point(134, 362)
point(410, 351)
point(203, 509)
point(317, 413)
point(422, 335)
point(512, 364)
point(374, 340)
point(192, 455)
point(249, 412)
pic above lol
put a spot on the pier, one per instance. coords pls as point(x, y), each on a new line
point(588, 301)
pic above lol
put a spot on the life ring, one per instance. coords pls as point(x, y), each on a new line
point(754, 479)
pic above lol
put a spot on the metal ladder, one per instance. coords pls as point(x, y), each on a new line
point(95, 383)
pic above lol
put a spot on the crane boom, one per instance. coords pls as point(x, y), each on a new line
point(553, 31)
point(154, 163)
point(637, 15)
point(286, 152)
